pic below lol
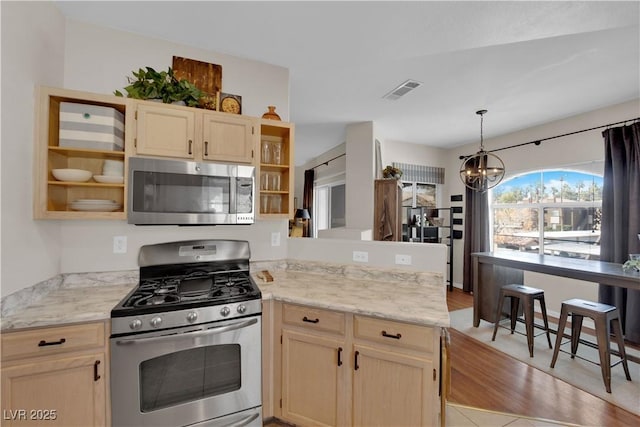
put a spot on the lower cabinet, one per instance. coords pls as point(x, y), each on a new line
point(312, 378)
point(340, 369)
point(55, 376)
point(391, 389)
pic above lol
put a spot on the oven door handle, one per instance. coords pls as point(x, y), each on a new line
point(200, 332)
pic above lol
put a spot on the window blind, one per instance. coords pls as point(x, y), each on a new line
point(420, 173)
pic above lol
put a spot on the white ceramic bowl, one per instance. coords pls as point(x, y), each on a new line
point(72, 175)
point(109, 179)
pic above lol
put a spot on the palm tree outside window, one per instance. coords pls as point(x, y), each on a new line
point(551, 212)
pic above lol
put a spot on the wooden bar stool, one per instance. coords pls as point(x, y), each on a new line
point(604, 316)
point(527, 295)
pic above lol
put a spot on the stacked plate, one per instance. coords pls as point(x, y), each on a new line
point(95, 205)
point(109, 179)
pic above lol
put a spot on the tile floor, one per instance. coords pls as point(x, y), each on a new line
point(463, 416)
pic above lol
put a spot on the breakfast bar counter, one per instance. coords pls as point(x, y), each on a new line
point(488, 280)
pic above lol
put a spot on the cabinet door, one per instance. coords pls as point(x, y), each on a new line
point(312, 380)
point(226, 137)
point(165, 131)
point(59, 391)
point(392, 389)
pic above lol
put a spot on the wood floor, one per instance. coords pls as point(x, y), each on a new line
point(482, 377)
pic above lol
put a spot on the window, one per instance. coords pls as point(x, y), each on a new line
point(552, 212)
point(329, 206)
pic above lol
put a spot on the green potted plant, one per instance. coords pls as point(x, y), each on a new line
point(633, 263)
point(391, 172)
point(151, 84)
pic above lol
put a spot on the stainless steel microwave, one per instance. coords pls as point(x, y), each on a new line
point(181, 192)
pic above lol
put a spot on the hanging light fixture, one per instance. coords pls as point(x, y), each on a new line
point(482, 170)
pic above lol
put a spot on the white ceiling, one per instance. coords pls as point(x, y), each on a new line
point(526, 62)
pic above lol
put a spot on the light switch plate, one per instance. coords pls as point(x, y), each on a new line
point(275, 239)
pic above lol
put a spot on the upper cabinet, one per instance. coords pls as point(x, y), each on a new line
point(164, 131)
point(98, 133)
point(276, 171)
point(81, 131)
point(190, 133)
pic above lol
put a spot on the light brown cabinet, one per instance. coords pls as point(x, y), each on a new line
point(162, 130)
point(313, 378)
point(275, 173)
point(56, 376)
point(53, 198)
point(394, 380)
point(183, 132)
point(342, 369)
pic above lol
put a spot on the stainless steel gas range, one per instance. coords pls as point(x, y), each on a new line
point(186, 342)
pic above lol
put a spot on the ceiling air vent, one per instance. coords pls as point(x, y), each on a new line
point(402, 90)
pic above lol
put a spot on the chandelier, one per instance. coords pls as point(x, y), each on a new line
point(482, 170)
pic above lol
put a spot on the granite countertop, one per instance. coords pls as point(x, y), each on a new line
point(416, 297)
point(407, 296)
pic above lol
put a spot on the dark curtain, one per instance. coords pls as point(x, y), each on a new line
point(476, 231)
point(307, 200)
point(621, 219)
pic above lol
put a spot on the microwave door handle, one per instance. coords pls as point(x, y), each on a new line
point(233, 194)
point(200, 332)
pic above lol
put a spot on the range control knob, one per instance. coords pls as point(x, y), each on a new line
point(224, 311)
point(242, 308)
point(135, 324)
point(192, 316)
point(156, 321)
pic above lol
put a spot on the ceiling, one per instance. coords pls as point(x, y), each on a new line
point(527, 63)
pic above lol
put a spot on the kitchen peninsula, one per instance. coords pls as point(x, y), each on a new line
point(362, 324)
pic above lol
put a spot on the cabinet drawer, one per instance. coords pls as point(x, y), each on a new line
point(45, 341)
point(394, 333)
point(313, 318)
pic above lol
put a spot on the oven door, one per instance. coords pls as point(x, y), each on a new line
point(191, 375)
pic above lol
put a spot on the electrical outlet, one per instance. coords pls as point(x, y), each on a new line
point(403, 259)
point(275, 239)
point(119, 244)
point(361, 256)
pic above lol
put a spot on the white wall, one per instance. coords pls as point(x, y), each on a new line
point(586, 149)
point(40, 48)
point(415, 154)
point(424, 256)
point(32, 54)
point(360, 171)
point(99, 59)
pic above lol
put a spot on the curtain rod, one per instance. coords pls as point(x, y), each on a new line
point(539, 141)
point(330, 160)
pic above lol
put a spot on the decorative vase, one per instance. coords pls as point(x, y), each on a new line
point(271, 114)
